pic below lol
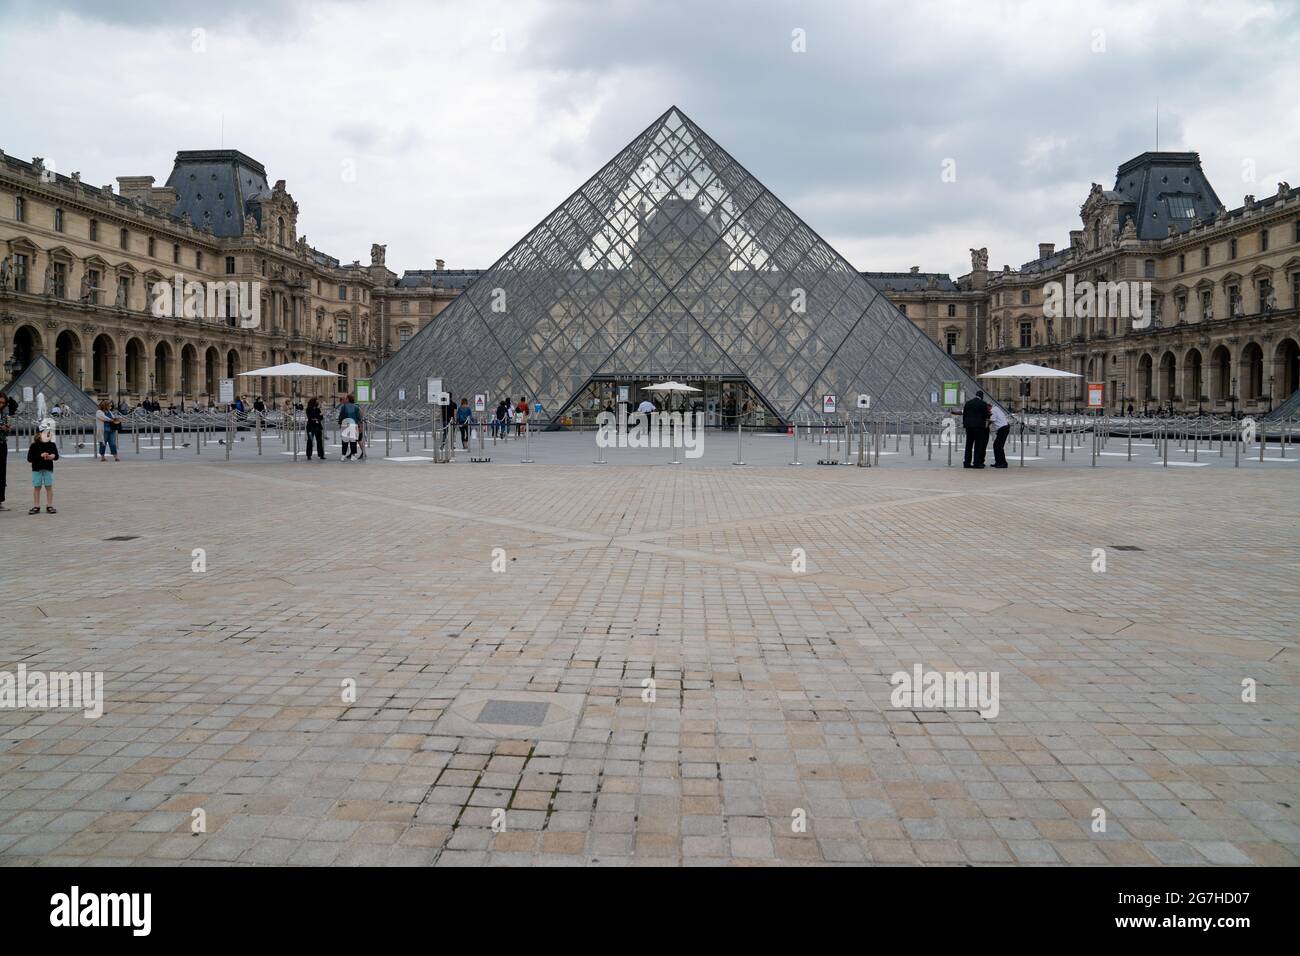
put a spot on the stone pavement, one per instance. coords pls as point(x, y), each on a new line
point(507, 717)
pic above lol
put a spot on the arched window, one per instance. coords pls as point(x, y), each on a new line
point(279, 226)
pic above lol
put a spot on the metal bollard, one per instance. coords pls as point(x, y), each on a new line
point(528, 446)
point(794, 430)
point(740, 456)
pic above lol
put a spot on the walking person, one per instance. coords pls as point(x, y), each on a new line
point(4, 445)
point(349, 422)
point(315, 428)
point(975, 418)
point(42, 454)
point(106, 422)
point(1001, 428)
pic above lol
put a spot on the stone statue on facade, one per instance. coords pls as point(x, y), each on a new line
point(121, 295)
point(1051, 331)
point(1270, 303)
point(87, 288)
point(1209, 311)
point(979, 260)
point(49, 278)
point(6, 274)
point(377, 254)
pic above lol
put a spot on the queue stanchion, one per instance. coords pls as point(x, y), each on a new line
point(259, 432)
point(528, 446)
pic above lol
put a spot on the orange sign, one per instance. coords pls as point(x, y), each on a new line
point(1095, 392)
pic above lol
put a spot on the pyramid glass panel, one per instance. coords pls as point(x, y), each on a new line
point(673, 261)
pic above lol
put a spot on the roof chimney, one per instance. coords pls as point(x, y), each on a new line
point(1045, 249)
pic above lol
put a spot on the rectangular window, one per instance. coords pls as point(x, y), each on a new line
point(1026, 335)
point(58, 220)
point(176, 253)
point(406, 307)
point(950, 342)
point(124, 291)
point(230, 265)
point(902, 307)
point(1024, 296)
point(403, 335)
point(20, 209)
point(94, 231)
point(1263, 241)
point(1149, 269)
point(153, 245)
point(94, 287)
point(124, 239)
point(1182, 262)
point(1232, 248)
point(61, 280)
point(342, 332)
point(952, 310)
point(198, 259)
point(20, 273)
point(343, 293)
point(1205, 257)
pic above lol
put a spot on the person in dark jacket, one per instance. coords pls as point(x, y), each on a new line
point(463, 415)
point(350, 411)
point(975, 419)
point(42, 454)
point(315, 428)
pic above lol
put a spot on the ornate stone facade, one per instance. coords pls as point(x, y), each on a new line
point(78, 266)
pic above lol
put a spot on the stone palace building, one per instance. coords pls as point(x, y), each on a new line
point(78, 263)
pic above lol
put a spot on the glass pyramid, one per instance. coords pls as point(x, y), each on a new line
point(43, 376)
point(673, 262)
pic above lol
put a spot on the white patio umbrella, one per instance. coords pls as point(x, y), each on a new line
point(291, 370)
point(295, 371)
point(1026, 370)
point(670, 387)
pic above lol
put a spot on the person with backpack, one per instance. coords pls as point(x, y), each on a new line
point(350, 422)
point(501, 419)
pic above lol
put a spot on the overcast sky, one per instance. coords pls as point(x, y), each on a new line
point(466, 122)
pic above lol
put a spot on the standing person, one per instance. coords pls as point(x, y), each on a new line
point(315, 428)
point(4, 445)
point(106, 430)
point(350, 420)
point(42, 454)
point(259, 406)
point(501, 419)
point(463, 415)
point(974, 418)
point(521, 415)
point(1001, 428)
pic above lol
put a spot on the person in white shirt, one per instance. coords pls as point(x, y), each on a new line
point(646, 406)
point(1001, 427)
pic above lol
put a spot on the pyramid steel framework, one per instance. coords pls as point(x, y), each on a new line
point(45, 378)
point(672, 262)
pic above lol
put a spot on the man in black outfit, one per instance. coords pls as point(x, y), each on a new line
point(975, 419)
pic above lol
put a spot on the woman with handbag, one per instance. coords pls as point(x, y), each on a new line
point(106, 423)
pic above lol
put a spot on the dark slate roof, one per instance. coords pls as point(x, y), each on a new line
point(910, 281)
point(438, 278)
point(89, 191)
point(1150, 183)
point(215, 186)
point(676, 218)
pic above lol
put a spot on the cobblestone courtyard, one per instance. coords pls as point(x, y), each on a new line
point(501, 717)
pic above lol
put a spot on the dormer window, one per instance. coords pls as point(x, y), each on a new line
point(1181, 207)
